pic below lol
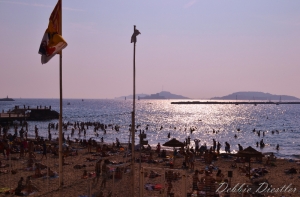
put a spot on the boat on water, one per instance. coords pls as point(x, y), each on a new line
point(6, 99)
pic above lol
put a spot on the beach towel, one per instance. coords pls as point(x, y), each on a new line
point(51, 177)
point(3, 171)
point(30, 169)
point(25, 193)
point(290, 171)
point(36, 177)
point(4, 166)
point(4, 189)
point(152, 187)
point(92, 174)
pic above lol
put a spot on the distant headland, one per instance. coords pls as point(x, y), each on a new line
point(160, 95)
point(255, 96)
point(6, 99)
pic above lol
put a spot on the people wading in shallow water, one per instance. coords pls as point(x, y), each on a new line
point(218, 147)
point(262, 144)
point(227, 147)
point(197, 144)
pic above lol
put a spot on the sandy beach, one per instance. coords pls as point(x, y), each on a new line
point(275, 175)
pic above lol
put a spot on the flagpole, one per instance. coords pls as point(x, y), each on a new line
point(60, 110)
point(133, 120)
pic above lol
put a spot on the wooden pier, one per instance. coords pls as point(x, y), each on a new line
point(235, 103)
point(28, 114)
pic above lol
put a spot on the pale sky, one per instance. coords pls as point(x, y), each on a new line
point(199, 49)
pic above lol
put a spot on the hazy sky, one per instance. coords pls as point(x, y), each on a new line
point(198, 49)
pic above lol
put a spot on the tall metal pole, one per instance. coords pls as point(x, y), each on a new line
point(60, 109)
point(133, 121)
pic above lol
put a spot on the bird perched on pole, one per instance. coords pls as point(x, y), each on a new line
point(134, 35)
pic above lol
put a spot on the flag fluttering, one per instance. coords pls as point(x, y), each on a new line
point(134, 35)
point(52, 41)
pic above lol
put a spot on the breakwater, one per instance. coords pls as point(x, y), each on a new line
point(235, 103)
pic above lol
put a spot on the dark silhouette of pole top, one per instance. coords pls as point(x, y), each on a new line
point(134, 35)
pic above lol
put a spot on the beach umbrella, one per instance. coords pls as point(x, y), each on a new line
point(173, 143)
point(248, 153)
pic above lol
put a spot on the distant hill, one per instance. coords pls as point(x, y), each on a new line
point(255, 96)
point(169, 95)
point(160, 95)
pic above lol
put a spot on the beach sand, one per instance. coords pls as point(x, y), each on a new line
point(74, 186)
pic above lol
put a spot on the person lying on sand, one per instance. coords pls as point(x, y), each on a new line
point(100, 194)
point(31, 155)
point(272, 157)
point(78, 166)
point(219, 176)
point(65, 163)
point(150, 158)
point(18, 190)
point(85, 175)
point(90, 159)
point(37, 171)
point(3, 165)
point(234, 165)
point(74, 153)
point(153, 174)
point(29, 187)
point(52, 173)
point(4, 171)
point(41, 166)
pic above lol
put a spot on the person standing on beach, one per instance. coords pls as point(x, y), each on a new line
point(192, 160)
point(197, 144)
point(49, 135)
point(214, 145)
point(158, 148)
point(104, 175)
point(98, 169)
point(2, 148)
point(240, 147)
point(44, 150)
point(36, 130)
point(227, 147)
point(195, 180)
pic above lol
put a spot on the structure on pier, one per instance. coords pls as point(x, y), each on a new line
point(28, 114)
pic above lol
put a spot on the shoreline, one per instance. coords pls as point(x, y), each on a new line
point(276, 175)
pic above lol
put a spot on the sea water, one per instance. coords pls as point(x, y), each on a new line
point(163, 117)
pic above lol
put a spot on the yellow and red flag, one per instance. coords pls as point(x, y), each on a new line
point(52, 42)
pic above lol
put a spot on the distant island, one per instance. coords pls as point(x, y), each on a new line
point(255, 96)
point(6, 99)
point(160, 95)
